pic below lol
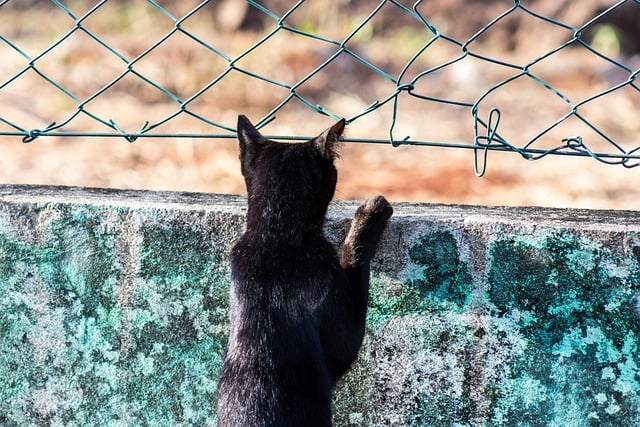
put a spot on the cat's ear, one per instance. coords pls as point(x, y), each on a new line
point(328, 142)
point(248, 135)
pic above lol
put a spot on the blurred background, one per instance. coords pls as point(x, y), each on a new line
point(110, 39)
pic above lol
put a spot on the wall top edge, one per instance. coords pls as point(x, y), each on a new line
point(174, 200)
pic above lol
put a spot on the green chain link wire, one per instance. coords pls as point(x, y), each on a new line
point(486, 130)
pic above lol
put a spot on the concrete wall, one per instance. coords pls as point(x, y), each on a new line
point(113, 308)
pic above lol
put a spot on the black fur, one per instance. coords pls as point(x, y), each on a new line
point(297, 310)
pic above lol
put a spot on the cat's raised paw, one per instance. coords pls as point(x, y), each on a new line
point(367, 227)
point(376, 209)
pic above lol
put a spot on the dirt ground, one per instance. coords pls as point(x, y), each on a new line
point(419, 174)
point(406, 173)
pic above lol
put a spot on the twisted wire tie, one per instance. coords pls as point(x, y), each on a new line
point(35, 133)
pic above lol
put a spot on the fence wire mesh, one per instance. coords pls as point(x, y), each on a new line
point(534, 78)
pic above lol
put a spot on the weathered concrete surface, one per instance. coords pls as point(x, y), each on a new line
point(113, 309)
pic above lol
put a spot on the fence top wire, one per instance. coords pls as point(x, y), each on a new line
point(406, 82)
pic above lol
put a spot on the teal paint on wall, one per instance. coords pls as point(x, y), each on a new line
point(553, 340)
point(575, 312)
point(85, 345)
point(443, 278)
point(436, 280)
point(415, 357)
point(113, 316)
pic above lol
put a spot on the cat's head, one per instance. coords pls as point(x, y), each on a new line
point(292, 173)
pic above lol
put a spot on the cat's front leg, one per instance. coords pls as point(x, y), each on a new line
point(345, 322)
point(358, 249)
point(367, 226)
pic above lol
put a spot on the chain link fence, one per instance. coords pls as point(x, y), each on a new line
point(534, 78)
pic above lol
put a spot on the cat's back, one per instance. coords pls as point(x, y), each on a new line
point(274, 358)
point(256, 257)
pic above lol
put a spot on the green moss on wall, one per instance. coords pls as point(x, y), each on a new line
point(412, 371)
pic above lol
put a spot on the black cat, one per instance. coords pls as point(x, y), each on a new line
point(297, 311)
